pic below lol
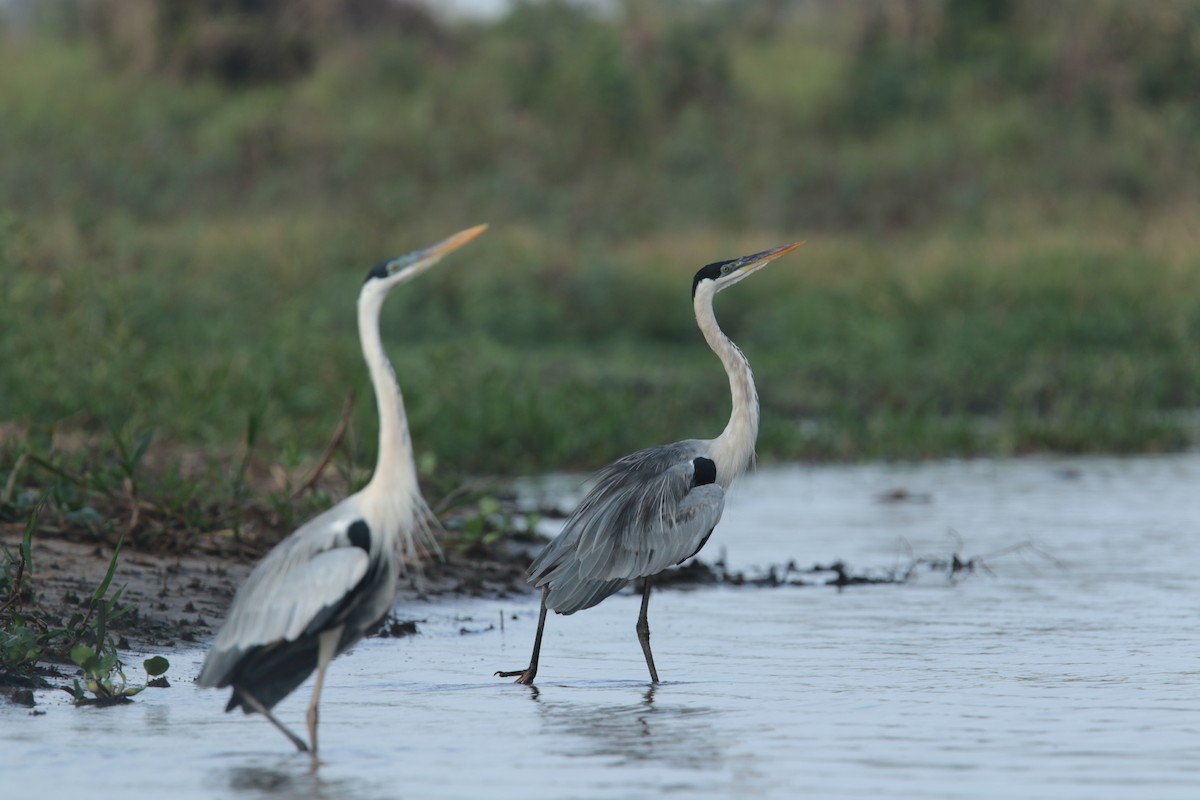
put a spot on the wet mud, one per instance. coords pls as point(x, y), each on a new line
point(174, 600)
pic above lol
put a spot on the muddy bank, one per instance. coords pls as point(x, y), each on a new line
point(181, 599)
point(178, 599)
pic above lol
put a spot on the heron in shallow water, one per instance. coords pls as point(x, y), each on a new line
point(319, 590)
point(657, 507)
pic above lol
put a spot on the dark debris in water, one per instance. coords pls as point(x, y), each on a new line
point(954, 567)
point(17, 680)
point(465, 630)
point(392, 627)
point(902, 495)
point(99, 702)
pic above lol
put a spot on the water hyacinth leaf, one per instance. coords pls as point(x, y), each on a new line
point(83, 655)
point(156, 666)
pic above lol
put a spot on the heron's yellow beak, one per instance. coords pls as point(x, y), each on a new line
point(407, 267)
point(453, 243)
point(748, 265)
point(767, 256)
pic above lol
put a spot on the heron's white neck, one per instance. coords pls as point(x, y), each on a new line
point(393, 495)
point(733, 450)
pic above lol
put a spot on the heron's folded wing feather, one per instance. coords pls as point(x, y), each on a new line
point(694, 521)
point(642, 516)
point(288, 594)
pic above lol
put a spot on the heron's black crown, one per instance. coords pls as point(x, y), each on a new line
point(712, 272)
point(380, 270)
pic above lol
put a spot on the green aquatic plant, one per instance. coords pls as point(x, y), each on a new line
point(20, 644)
point(103, 678)
point(95, 652)
point(29, 636)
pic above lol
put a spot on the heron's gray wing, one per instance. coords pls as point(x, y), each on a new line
point(302, 578)
point(644, 514)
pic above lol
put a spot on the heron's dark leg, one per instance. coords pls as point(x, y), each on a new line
point(325, 653)
point(643, 630)
point(526, 675)
point(252, 701)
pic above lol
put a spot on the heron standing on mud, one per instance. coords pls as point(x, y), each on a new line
point(320, 589)
point(656, 507)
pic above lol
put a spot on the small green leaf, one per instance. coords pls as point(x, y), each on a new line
point(156, 666)
point(27, 540)
point(101, 625)
point(140, 447)
point(81, 654)
point(102, 589)
point(254, 422)
point(58, 471)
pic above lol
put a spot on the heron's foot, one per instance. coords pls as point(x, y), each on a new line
point(523, 676)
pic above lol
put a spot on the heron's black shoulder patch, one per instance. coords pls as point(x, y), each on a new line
point(380, 270)
point(712, 272)
point(360, 535)
point(705, 471)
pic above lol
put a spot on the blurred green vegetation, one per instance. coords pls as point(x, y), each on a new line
point(1000, 201)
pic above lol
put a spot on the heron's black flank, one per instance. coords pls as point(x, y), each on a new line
point(712, 272)
point(380, 270)
point(271, 673)
point(705, 471)
point(360, 535)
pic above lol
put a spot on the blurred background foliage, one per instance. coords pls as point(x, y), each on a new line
point(1000, 199)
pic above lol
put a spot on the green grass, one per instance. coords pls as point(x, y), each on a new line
point(511, 365)
point(1002, 253)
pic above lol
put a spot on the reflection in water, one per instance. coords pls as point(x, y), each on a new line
point(266, 781)
point(158, 720)
point(644, 731)
point(291, 777)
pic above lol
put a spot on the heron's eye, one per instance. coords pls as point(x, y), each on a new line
point(724, 269)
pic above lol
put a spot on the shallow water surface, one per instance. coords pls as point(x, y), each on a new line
point(1066, 677)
